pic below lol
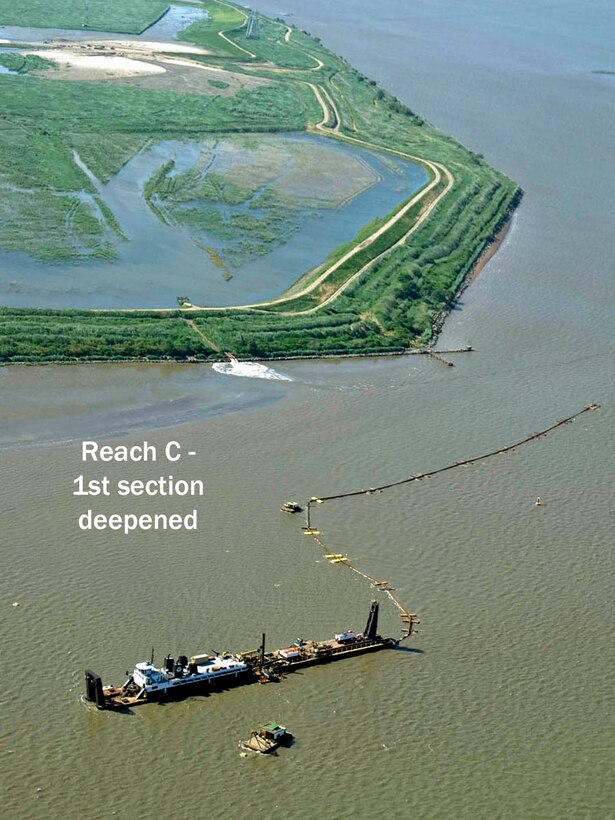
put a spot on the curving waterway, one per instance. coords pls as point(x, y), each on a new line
point(504, 709)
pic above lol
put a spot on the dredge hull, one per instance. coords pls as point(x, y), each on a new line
point(202, 674)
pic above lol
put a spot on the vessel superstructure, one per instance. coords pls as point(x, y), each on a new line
point(202, 673)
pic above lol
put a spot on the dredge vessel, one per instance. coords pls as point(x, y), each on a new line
point(200, 674)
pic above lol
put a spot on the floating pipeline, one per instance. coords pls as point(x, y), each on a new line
point(418, 476)
point(408, 618)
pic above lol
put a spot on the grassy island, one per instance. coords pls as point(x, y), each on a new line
point(384, 292)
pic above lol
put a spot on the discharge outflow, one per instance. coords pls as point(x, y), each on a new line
point(249, 370)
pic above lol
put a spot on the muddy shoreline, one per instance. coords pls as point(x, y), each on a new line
point(488, 253)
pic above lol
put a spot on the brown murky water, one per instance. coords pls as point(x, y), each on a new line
point(506, 709)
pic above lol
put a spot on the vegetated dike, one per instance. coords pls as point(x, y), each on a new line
point(393, 287)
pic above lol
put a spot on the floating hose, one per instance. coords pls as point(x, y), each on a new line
point(408, 618)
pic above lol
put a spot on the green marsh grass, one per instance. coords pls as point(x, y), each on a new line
point(102, 15)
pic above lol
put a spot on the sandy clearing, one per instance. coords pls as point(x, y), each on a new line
point(147, 46)
point(187, 77)
point(234, 78)
point(110, 65)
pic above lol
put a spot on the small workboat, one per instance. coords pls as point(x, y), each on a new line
point(291, 507)
point(267, 738)
point(271, 675)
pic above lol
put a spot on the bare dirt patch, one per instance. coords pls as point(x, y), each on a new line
point(191, 78)
point(142, 64)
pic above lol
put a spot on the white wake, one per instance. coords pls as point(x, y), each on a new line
point(249, 370)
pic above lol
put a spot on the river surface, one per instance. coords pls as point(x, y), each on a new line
point(505, 709)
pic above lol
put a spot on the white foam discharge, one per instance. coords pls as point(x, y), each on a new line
point(249, 370)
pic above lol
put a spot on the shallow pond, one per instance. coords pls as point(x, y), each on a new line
point(160, 262)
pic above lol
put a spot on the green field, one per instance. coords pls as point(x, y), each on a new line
point(104, 15)
point(70, 226)
point(269, 47)
point(25, 63)
point(406, 284)
point(206, 33)
point(69, 335)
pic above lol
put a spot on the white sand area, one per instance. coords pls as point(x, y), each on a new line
point(109, 65)
point(149, 46)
